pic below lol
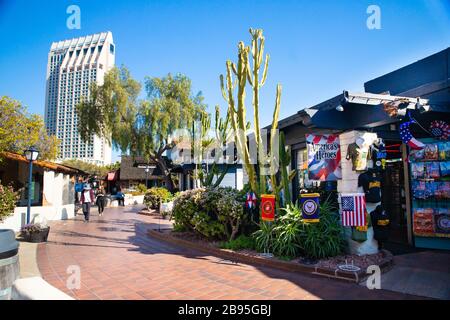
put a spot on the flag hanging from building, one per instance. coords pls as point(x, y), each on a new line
point(324, 157)
point(353, 211)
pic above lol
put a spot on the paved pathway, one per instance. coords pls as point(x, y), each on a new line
point(119, 261)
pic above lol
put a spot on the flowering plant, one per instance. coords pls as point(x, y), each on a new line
point(33, 228)
point(8, 199)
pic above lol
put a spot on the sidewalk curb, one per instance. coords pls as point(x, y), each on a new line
point(354, 277)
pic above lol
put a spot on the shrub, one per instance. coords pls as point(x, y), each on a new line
point(213, 213)
point(155, 196)
point(141, 188)
point(240, 243)
point(8, 199)
point(185, 205)
point(290, 236)
point(264, 237)
point(325, 238)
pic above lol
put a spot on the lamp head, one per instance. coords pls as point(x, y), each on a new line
point(31, 153)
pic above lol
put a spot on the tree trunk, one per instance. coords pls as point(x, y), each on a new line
point(166, 172)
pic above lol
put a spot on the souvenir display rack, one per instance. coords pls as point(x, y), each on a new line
point(430, 192)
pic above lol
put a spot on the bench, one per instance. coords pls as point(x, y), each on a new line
point(36, 288)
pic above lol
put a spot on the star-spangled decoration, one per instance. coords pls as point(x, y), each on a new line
point(440, 129)
point(408, 138)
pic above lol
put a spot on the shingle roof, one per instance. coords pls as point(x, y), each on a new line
point(129, 169)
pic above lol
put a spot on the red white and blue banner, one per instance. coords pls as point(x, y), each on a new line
point(324, 157)
point(353, 210)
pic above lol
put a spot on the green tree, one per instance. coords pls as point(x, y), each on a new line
point(20, 130)
point(140, 126)
point(90, 168)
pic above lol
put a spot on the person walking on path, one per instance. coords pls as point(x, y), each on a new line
point(100, 200)
point(87, 199)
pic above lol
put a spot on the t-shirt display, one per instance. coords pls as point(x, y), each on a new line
point(371, 183)
point(358, 156)
point(378, 154)
point(380, 222)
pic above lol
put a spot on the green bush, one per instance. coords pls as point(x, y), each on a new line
point(290, 236)
point(240, 243)
point(325, 238)
point(141, 188)
point(214, 213)
point(185, 206)
point(8, 199)
point(155, 196)
point(264, 237)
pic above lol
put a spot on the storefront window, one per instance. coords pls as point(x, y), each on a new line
point(302, 171)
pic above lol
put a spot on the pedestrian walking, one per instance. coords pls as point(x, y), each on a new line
point(100, 201)
point(87, 199)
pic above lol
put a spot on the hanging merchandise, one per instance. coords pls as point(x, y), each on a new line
point(370, 181)
point(310, 207)
point(380, 222)
point(440, 129)
point(324, 157)
point(423, 221)
point(250, 201)
point(378, 154)
point(407, 137)
point(442, 221)
point(431, 152)
point(267, 207)
point(444, 150)
point(358, 155)
point(353, 210)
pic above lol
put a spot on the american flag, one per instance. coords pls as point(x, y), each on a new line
point(353, 210)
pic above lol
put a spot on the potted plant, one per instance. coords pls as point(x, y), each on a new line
point(35, 232)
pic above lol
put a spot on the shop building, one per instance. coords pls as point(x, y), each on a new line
point(420, 91)
point(53, 189)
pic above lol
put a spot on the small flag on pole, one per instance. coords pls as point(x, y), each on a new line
point(250, 202)
point(310, 207)
point(267, 207)
point(353, 210)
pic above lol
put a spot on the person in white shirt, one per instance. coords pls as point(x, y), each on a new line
point(87, 199)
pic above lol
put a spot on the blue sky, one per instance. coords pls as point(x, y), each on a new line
point(317, 48)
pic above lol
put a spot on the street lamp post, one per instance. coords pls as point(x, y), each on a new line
point(31, 154)
point(147, 169)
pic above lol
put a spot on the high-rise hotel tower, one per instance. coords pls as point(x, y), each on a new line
point(73, 65)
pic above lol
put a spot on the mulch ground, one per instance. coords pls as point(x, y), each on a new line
point(331, 263)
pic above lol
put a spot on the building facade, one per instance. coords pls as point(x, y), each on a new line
point(73, 65)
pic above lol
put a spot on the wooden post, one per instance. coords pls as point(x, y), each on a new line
point(407, 193)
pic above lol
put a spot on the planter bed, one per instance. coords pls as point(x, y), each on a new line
point(152, 212)
point(324, 267)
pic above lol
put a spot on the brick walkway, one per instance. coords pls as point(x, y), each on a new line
point(119, 261)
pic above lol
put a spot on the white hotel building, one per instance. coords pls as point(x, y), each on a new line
point(72, 66)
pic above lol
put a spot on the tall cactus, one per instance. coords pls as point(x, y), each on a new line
point(222, 131)
point(243, 72)
point(286, 178)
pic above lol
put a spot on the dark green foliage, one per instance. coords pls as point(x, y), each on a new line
point(291, 237)
point(240, 243)
point(214, 213)
point(323, 239)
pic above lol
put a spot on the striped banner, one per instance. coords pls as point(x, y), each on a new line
point(353, 210)
point(324, 157)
